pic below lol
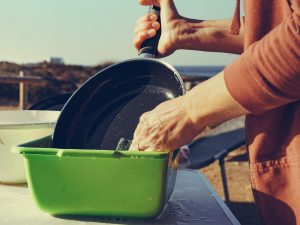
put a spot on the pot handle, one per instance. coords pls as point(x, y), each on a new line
point(149, 46)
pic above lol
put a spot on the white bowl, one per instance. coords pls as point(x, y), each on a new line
point(17, 127)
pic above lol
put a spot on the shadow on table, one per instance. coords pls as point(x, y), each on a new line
point(105, 220)
point(245, 212)
point(14, 185)
point(274, 211)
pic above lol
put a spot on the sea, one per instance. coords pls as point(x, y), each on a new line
point(199, 71)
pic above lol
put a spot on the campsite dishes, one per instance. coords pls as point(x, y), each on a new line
point(104, 183)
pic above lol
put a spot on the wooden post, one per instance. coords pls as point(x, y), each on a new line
point(22, 93)
point(188, 85)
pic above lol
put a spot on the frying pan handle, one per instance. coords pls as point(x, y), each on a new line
point(149, 46)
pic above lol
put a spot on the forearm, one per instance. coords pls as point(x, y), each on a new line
point(210, 103)
point(268, 72)
point(208, 35)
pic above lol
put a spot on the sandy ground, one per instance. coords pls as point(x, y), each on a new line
point(241, 199)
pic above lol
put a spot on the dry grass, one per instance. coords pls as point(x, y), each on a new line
point(9, 107)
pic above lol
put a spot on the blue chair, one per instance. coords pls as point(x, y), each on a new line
point(215, 146)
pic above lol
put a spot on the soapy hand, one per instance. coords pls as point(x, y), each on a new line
point(165, 128)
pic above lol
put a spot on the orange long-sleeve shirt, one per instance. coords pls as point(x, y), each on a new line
point(265, 80)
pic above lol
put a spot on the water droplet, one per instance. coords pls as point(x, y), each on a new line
point(184, 220)
point(209, 221)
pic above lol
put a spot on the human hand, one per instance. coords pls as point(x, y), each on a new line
point(165, 128)
point(179, 32)
point(147, 26)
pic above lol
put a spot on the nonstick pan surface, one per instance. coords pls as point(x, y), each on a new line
point(107, 107)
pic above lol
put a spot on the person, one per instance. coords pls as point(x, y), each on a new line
point(263, 84)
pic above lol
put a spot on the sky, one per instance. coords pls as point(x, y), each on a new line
point(90, 32)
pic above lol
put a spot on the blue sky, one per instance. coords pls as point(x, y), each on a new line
point(92, 31)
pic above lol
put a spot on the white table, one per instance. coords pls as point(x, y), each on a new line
point(193, 202)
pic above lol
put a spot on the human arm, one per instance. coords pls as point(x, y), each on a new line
point(265, 77)
point(268, 72)
point(175, 123)
point(179, 32)
point(209, 35)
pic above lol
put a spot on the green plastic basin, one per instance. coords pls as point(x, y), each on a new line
point(98, 183)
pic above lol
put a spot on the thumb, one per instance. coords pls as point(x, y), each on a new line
point(134, 146)
point(168, 10)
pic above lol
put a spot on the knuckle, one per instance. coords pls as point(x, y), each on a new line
point(143, 33)
point(136, 42)
point(143, 117)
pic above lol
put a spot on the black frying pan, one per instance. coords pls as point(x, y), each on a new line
point(52, 103)
point(107, 107)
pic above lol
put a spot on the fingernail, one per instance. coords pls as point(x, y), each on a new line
point(153, 17)
point(151, 31)
point(144, 33)
point(155, 25)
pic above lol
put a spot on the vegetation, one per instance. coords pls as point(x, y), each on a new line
point(60, 79)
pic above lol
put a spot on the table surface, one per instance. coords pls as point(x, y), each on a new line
point(192, 202)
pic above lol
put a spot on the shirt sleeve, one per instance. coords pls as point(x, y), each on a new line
point(267, 74)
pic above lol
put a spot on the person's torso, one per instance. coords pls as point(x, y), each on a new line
point(273, 138)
